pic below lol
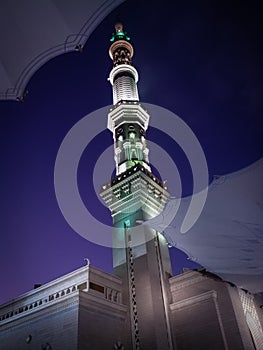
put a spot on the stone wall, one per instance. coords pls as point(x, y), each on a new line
point(206, 313)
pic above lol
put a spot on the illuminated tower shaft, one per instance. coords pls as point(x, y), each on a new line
point(140, 254)
point(127, 119)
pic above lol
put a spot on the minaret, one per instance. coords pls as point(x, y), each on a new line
point(140, 254)
point(127, 120)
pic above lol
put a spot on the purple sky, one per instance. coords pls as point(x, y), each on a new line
point(202, 60)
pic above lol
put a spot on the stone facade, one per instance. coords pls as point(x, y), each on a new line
point(85, 310)
point(82, 310)
point(207, 313)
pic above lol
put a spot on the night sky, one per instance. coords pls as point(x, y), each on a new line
point(200, 59)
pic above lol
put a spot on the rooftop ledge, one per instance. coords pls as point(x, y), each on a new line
point(86, 278)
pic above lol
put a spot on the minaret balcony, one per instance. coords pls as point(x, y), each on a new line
point(127, 113)
point(136, 189)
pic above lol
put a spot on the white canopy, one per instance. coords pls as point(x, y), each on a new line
point(227, 239)
point(32, 32)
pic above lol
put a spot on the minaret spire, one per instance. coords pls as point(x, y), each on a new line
point(121, 50)
point(123, 76)
point(127, 119)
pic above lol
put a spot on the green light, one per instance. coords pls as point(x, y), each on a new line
point(120, 35)
point(127, 223)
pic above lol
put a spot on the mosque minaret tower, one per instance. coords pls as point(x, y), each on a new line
point(140, 254)
point(127, 120)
